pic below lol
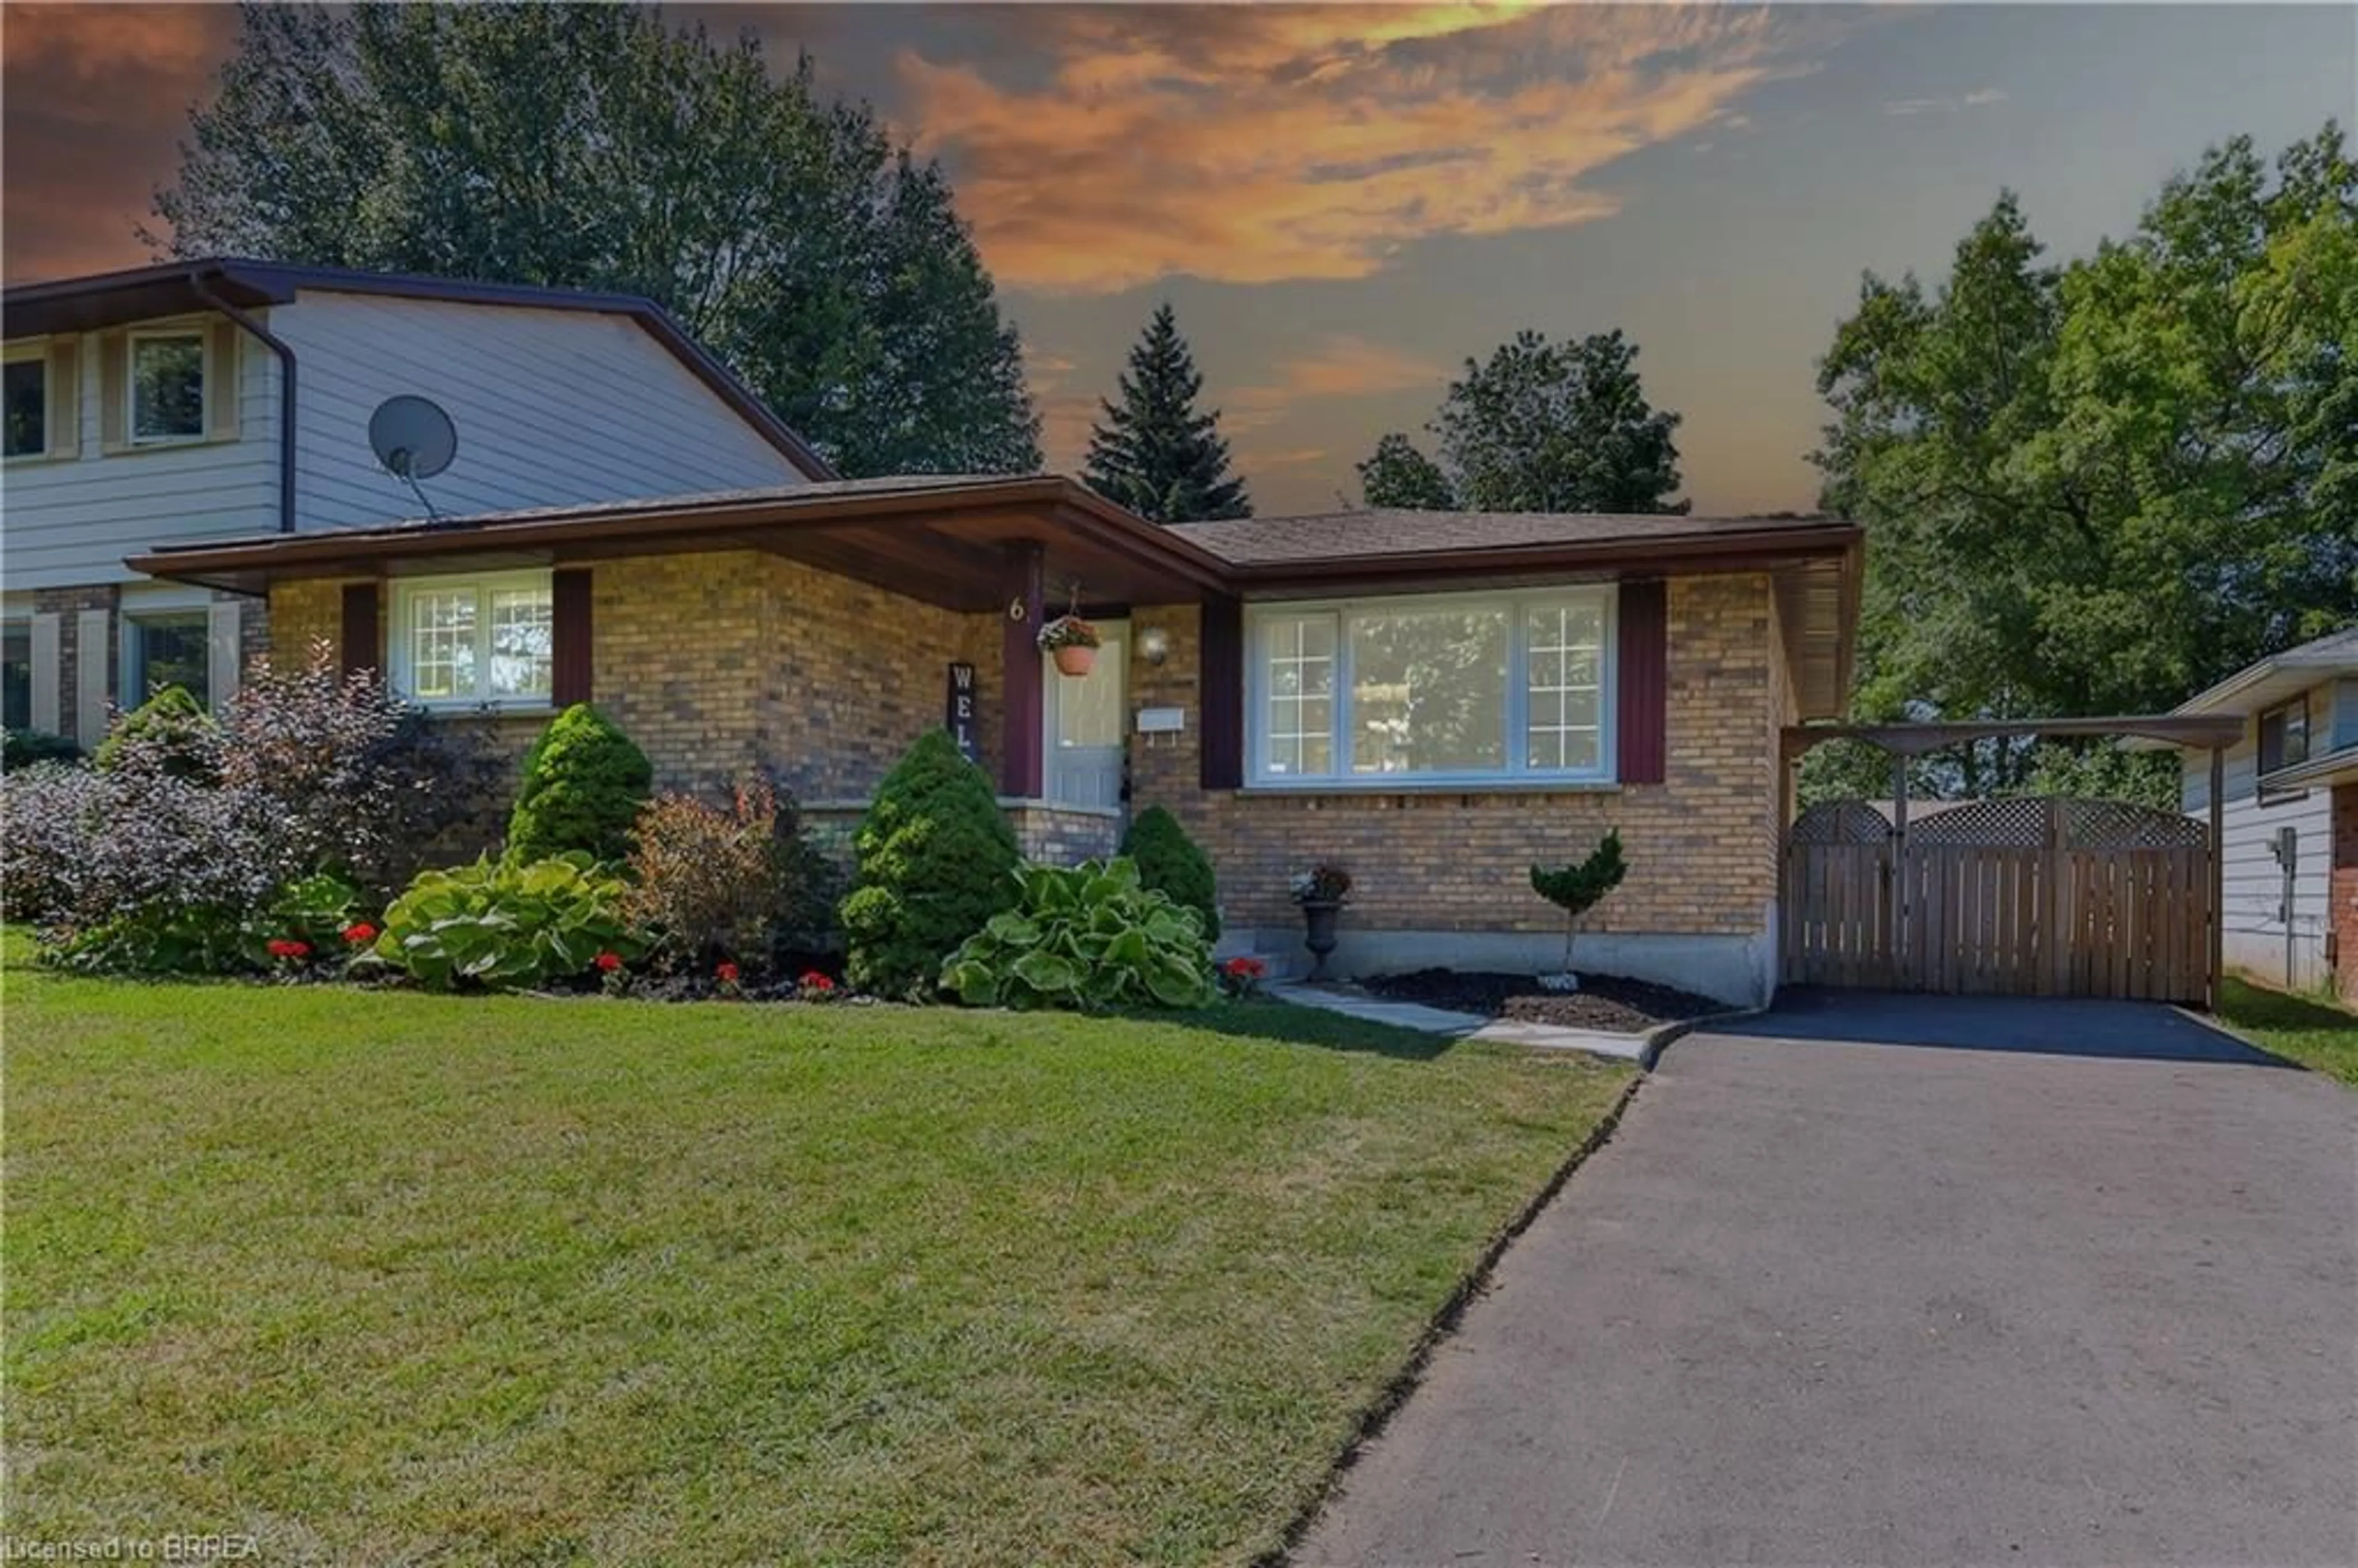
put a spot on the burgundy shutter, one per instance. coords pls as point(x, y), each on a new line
point(360, 639)
point(1223, 677)
point(1642, 690)
point(568, 677)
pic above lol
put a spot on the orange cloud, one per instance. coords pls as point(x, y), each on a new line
point(1253, 144)
point(1341, 366)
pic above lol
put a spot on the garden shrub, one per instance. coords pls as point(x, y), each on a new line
point(731, 882)
point(360, 781)
point(584, 784)
point(507, 925)
point(1169, 862)
point(27, 747)
point(931, 858)
point(138, 868)
point(174, 732)
point(1086, 936)
point(143, 867)
point(1578, 886)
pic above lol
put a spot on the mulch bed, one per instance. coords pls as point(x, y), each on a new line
point(1602, 1002)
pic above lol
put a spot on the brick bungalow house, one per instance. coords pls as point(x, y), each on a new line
point(1432, 700)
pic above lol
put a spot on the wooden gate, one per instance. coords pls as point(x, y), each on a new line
point(2034, 897)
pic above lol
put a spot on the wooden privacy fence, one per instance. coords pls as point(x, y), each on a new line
point(2033, 897)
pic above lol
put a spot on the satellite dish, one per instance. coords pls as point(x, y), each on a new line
point(413, 438)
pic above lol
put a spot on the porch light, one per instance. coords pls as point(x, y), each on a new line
point(1154, 646)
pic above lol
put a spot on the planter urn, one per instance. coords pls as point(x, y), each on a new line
point(1318, 920)
point(1072, 659)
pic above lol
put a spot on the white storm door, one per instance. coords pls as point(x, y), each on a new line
point(1084, 724)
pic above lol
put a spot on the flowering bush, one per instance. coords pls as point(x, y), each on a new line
point(815, 986)
point(1241, 976)
point(1322, 885)
point(716, 883)
point(173, 856)
point(504, 926)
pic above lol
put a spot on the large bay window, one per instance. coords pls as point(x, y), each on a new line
point(1462, 689)
point(473, 640)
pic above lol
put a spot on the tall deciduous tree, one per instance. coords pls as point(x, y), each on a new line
point(2097, 487)
point(1153, 452)
point(598, 147)
point(1400, 475)
point(1538, 426)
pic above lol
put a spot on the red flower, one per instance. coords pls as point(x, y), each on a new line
point(608, 962)
point(727, 974)
point(815, 981)
point(359, 931)
point(285, 947)
point(1243, 968)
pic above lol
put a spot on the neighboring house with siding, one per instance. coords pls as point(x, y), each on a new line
point(221, 399)
point(2289, 814)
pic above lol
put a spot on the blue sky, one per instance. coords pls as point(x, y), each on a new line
point(1344, 202)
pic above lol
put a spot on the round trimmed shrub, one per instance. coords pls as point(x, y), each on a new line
point(934, 859)
point(584, 785)
point(1170, 863)
point(170, 731)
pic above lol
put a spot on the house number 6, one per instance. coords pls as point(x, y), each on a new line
point(1015, 609)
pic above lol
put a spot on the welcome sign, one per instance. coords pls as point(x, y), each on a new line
point(958, 713)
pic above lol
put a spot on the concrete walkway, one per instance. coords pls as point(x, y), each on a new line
point(1909, 1280)
point(1466, 1025)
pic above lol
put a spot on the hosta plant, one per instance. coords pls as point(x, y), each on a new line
point(507, 926)
point(1086, 938)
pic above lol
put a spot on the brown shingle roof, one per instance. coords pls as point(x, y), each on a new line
point(1393, 532)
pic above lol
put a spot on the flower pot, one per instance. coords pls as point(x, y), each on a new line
point(1319, 936)
point(1072, 659)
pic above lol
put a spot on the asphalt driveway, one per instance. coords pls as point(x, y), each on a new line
point(1910, 1281)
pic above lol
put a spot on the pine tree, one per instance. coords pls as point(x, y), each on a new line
point(1153, 452)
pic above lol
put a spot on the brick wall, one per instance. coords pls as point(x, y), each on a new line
point(2341, 893)
point(1701, 845)
point(724, 661)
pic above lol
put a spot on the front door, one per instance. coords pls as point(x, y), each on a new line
point(1084, 725)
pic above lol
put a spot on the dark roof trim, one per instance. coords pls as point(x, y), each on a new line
point(655, 521)
point(1733, 551)
point(106, 299)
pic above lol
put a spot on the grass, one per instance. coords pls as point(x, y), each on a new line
point(2315, 1033)
point(380, 1277)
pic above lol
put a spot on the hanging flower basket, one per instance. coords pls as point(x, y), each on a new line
point(1072, 642)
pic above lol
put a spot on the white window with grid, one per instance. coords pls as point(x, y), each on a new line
point(475, 642)
point(1563, 726)
point(1299, 735)
point(1512, 687)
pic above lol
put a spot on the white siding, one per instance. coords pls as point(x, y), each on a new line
point(552, 406)
point(2252, 881)
point(71, 521)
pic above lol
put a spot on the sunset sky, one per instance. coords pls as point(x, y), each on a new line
point(1344, 202)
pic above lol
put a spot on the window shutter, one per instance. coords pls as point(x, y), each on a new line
point(93, 634)
point(221, 381)
point(1642, 685)
point(569, 637)
point(360, 639)
point(47, 666)
point(113, 378)
point(64, 413)
point(1222, 677)
point(223, 664)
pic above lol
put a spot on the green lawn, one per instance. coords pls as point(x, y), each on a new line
point(381, 1277)
point(2312, 1032)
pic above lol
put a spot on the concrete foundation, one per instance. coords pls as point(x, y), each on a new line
point(1737, 970)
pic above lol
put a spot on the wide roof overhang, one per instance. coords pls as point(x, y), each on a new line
point(948, 540)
